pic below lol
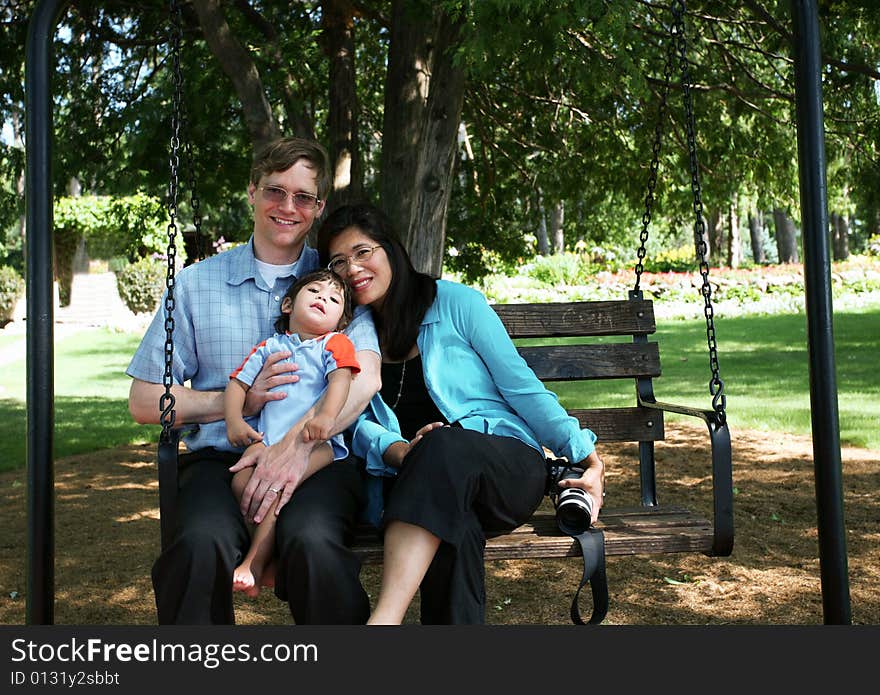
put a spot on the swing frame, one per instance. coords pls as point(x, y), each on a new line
point(40, 387)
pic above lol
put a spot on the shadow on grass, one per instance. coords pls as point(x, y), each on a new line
point(81, 425)
point(107, 537)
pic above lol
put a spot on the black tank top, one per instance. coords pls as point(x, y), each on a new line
point(404, 391)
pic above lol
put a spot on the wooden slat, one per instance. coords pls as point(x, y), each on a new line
point(622, 424)
point(610, 361)
point(628, 531)
point(622, 317)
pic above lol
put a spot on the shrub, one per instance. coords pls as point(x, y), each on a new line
point(141, 284)
point(560, 269)
point(680, 260)
point(11, 290)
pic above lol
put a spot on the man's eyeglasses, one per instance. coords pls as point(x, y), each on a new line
point(339, 264)
point(277, 195)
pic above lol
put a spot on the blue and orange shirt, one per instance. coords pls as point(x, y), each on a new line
point(316, 358)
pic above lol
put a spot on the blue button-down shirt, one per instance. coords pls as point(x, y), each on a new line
point(477, 378)
point(223, 307)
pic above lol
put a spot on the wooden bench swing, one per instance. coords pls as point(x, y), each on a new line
point(644, 527)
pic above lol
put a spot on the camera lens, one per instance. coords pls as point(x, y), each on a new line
point(573, 511)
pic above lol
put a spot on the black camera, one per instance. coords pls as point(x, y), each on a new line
point(574, 507)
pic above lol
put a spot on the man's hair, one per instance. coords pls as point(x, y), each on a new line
point(283, 153)
point(282, 324)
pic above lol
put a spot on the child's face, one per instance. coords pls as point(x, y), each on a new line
point(317, 308)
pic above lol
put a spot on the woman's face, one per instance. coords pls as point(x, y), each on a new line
point(370, 279)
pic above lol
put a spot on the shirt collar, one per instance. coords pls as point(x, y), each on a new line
point(243, 266)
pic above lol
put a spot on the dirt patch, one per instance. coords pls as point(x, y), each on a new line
point(107, 535)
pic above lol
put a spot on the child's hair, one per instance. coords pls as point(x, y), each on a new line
point(282, 324)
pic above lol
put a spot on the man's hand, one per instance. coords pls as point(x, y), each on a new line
point(278, 471)
point(275, 372)
point(592, 481)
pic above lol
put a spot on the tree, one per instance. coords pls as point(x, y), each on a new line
point(457, 115)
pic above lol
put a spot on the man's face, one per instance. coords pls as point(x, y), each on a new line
point(281, 224)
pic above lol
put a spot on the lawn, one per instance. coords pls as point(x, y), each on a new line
point(764, 366)
point(763, 362)
point(91, 389)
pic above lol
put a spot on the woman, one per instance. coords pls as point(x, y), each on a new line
point(455, 433)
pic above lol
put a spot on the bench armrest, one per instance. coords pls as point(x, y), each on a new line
point(722, 471)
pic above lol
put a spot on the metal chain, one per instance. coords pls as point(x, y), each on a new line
point(655, 164)
point(167, 401)
point(189, 157)
point(716, 386)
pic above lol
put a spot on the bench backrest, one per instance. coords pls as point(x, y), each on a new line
point(638, 359)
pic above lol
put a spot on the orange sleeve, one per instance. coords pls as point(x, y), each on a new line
point(238, 369)
point(342, 350)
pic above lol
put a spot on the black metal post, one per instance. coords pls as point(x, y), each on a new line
point(40, 319)
point(817, 283)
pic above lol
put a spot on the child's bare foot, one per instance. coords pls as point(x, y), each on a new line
point(245, 578)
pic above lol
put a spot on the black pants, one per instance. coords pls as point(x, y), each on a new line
point(316, 572)
point(462, 486)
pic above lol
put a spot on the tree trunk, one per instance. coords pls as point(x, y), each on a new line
point(715, 233)
point(543, 237)
point(236, 62)
point(756, 234)
point(297, 121)
point(423, 101)
point(839, 236)
point(786, 237)
point(734, 241)
point(338, 40)
point(557, 229)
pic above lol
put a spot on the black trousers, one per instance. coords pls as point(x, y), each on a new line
point(316, 572)
point(462, 486)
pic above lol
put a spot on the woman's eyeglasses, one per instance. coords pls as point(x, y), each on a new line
point(277, 195)
point(339, 264)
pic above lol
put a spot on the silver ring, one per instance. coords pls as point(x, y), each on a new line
point(272, 489)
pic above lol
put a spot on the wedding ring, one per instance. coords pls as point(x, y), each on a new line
point(275, 490)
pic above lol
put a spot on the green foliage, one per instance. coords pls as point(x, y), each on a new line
point(133, 226)
point(560, 269)
point(11, 290)
point(141, 284)
point(680, 260)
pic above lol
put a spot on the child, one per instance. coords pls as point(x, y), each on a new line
point(315, 306)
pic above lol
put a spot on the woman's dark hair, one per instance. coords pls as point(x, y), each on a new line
point(410, 292)
point(282, 323)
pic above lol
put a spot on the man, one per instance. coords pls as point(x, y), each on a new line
point(223, 306)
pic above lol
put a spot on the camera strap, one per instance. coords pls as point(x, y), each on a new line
point(592, 542)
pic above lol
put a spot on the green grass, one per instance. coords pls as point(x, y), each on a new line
point(91, 392)
point(763, 362)
point(764, 366)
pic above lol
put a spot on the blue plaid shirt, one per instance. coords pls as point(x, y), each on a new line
point(223, 308)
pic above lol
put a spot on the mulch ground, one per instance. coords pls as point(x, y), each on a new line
point(107, 536)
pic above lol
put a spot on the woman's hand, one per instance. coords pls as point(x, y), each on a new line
point(424, 430)
point(592, 481)
point(396, 453)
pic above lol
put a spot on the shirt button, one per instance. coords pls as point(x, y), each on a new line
point(276, 297)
